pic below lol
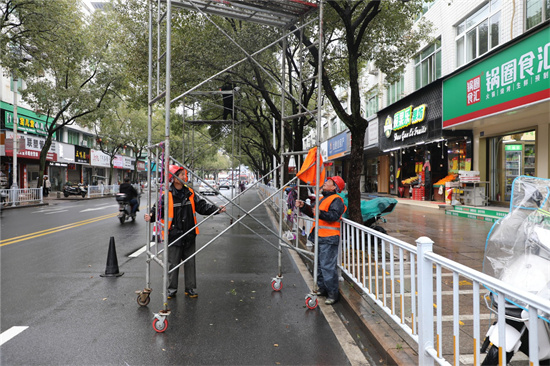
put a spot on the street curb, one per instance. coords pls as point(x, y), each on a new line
point(387, 337)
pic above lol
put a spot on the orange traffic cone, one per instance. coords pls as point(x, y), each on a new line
point(111, 269)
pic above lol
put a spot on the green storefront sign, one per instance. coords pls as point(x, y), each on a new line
point(513, 147)
point(28, 120)
point(518, 75)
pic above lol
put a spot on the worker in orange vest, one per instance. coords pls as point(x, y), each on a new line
point(183, 204)
point(331, 209)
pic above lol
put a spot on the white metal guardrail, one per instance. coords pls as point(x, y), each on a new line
point(435, 300)
point(14, 197)
point(401, 278)
point(103, 190)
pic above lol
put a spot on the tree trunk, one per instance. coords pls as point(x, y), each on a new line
point(42, 161)
point(354, 178)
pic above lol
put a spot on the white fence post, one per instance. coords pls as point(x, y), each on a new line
point(425, 301)
point(41, 193)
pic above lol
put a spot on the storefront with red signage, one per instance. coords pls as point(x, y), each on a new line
point(505, 99)
point(28, 156)
point(31, 129)
point(416, 152)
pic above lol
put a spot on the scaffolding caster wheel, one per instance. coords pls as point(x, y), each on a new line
point(143, 297)
point(277, 284)
point(311, 301)
point(160, 323)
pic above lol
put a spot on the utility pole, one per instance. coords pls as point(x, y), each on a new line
point(14, 185)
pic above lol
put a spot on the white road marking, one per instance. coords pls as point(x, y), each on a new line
point(10, 333)
point(54, 212)
point(138, 252)
point(98, 208)
point(53, 209)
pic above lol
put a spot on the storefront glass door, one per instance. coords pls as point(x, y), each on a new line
point(510, 156)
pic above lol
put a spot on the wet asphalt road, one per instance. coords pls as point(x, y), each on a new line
point(51, 284)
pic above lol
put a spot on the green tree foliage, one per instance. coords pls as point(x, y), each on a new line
point(69, 70)
point(355, 32)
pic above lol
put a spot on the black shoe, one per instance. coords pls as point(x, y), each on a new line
point(171, 295)
point(320, 293)
point(191, 293)
point(330, 301)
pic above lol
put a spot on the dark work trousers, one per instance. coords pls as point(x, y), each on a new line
point(177, 254)
point(327, 272)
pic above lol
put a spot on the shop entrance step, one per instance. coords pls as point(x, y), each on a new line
point(476, 213)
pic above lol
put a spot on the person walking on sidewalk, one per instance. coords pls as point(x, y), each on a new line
point(183, 204)
point(331, 209)
point(47, 187)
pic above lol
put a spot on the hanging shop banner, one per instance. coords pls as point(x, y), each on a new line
point(371, 135)
point(128, 163)
point(33, 146)
point(118, 162)
point(99, 158)
point(82, 155)
point(141, 166)
point(65, 153)
point(28, 120)
point(517, 76)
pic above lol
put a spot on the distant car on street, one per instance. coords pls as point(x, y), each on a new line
point(205, 189)
point(225, 184)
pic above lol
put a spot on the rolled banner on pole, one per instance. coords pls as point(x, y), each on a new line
point(308, 172)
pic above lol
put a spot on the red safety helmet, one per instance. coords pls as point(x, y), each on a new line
point(174, 169)
point(339, 182)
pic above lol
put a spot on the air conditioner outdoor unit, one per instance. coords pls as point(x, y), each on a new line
point(372, 69)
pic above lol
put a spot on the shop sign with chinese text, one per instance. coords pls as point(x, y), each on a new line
point(82, 155)
point(99, 158)
point(33, 146)
point(403, 119)
point(28, 120)
point(517, 76)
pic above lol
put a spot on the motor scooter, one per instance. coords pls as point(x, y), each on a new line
point(78, 190)
point(125, 208)
point(518, 253)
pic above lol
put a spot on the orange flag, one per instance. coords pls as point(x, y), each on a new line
point(308, 173)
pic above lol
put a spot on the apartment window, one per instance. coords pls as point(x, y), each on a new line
point(536, 12)
point(396, 91)
point(427, 65)
point(72, 138)
point(372, 103)
point(478, 33)
point(333, 126)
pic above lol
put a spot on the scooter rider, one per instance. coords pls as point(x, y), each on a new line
point(131, 194)
point(183, 205)
point(331, 209)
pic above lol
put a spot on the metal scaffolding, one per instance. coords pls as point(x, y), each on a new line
point(282, 14)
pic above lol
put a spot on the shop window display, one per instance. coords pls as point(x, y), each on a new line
point(510, 156)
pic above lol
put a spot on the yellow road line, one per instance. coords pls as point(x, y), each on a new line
point(54, 230)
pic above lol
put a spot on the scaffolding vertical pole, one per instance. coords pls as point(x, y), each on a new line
point(167, 149)
point(318, 139)
point(281, 151)
point(149, 132)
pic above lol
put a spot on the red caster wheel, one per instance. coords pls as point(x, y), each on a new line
point(276, 285)
point(311, 303)
point(160, 325)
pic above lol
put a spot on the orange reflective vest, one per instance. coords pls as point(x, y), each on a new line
point(171, 211)
point(328, 228)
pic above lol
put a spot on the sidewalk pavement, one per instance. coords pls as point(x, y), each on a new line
point(457, 238)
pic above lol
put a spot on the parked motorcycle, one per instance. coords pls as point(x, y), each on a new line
point(125, 208)
point(518, 252)
point(79, 190)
